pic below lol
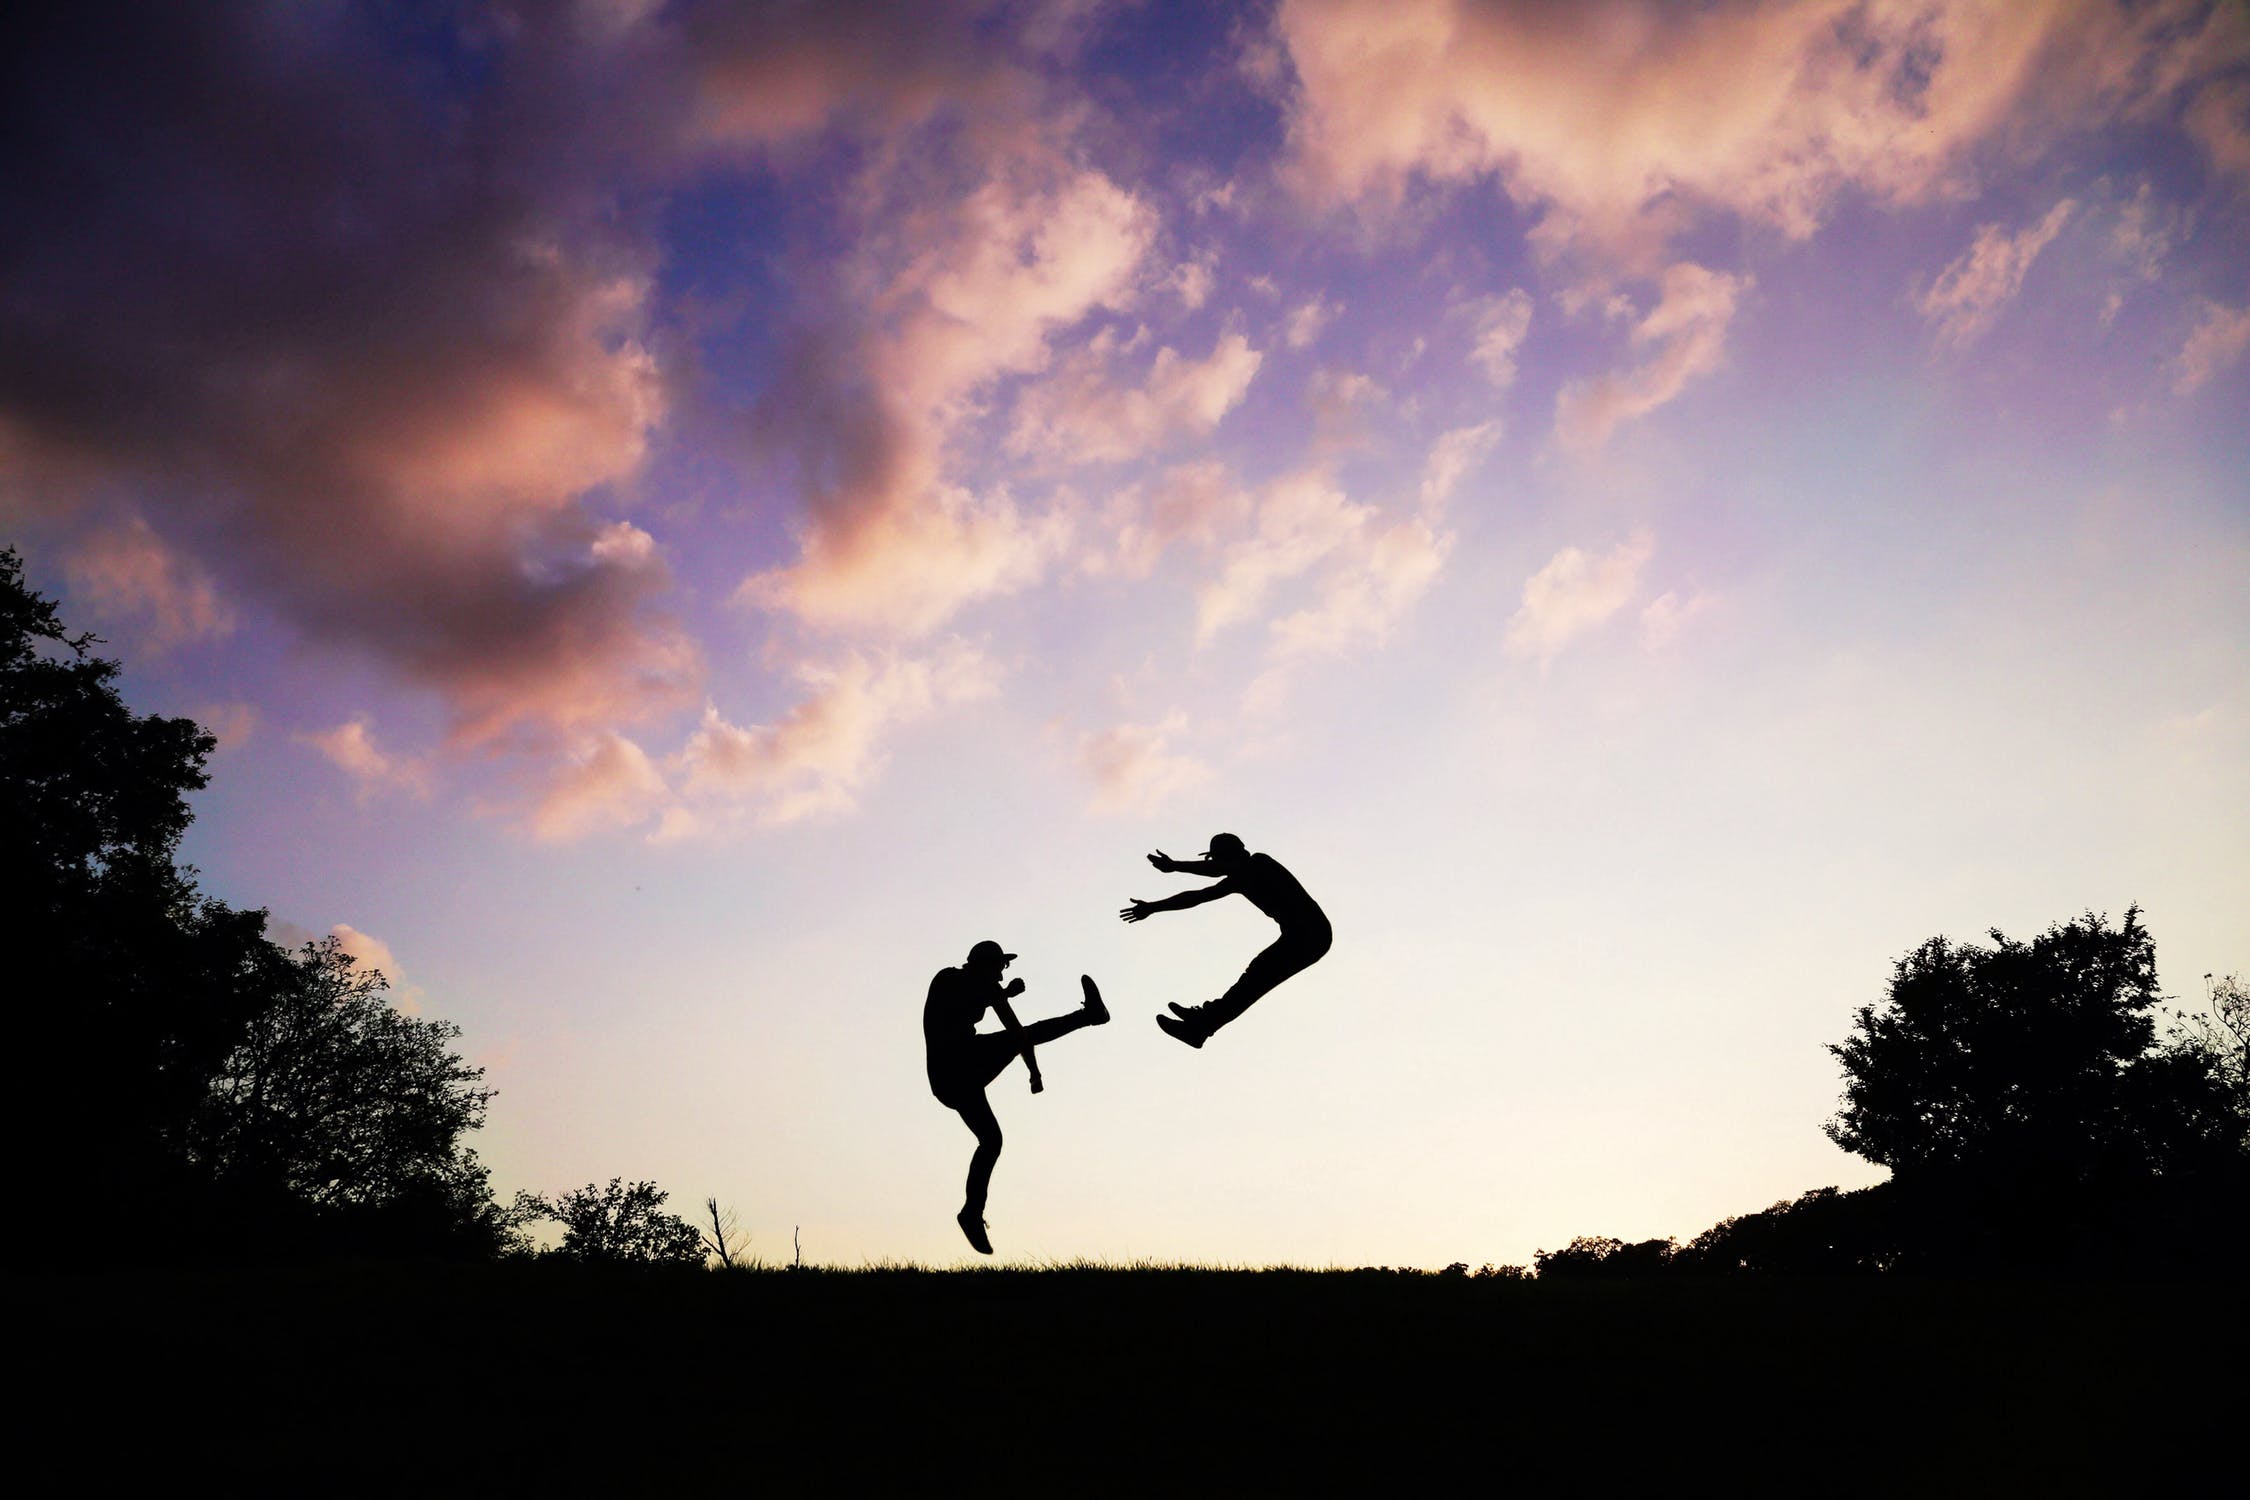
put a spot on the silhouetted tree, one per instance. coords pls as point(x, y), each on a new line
point(338, 1102)
point(2031, 1062)
point(1822, 1232)
point(254, 1100)
point(623, 1225)
point(1600, 1255)
point(129, 983)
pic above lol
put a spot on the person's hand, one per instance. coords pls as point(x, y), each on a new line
point(1015, 988)
point(1163, 861)
point(1136, 912)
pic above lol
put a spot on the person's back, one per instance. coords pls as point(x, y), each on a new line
point(1265, 882)
point(949, 1023)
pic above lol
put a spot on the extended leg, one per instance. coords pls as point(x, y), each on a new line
point(996, 1049)
point(1289, 954)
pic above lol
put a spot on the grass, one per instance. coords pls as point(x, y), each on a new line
point(1103, 1378)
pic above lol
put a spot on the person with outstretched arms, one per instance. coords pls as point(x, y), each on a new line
point(963, 1061)
point(1267, 884)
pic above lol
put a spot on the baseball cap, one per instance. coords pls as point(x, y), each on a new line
point(1225, 843)
point(988, 949)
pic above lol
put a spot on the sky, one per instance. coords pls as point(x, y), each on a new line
point(683, 518)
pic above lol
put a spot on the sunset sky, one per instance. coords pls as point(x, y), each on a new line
point(685, 518)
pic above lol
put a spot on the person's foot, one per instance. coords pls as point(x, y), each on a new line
point(973, 1227)
point(1096, 1012)
point(1186, 1012)
point(1178, 1030)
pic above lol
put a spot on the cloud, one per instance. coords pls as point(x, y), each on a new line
point(1688, 329)
point(1574, 593)
point(1452, 458)
point(1191, 502)
point(1968, 294)
point(1133, 768)
point(350, 747)
point(819, 756)
point(908, 569)
point(2220, 336)
point(377, 346)
point(1618, 120)
point(1306, 323)
point(1301, 519)
point(1665, 616)
point(126, 572)
point(1361, 600)
point(371, 952)
point(1500, 321)
point(1081, 413)
point(608, 782)
point(771, 73)
point(231, 724)
point(1193, 280)
point(974, 294)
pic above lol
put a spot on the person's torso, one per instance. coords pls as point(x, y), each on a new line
point(950, 1014)
point(1269, 886)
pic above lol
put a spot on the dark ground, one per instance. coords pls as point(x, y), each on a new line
point(1106, 1381)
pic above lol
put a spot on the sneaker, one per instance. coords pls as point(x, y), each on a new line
point(1186, 1012)
point(1097, 1012)
point(973, 1227)
point(1180, 1030)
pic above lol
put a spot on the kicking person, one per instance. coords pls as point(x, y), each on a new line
point(1262, 879)
point(963, 1060)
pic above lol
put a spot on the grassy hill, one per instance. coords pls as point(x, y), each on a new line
point(1104, 1380)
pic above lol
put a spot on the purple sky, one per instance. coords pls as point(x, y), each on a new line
point(686, 517)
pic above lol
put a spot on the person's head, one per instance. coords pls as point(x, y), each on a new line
point(1226, 849)
point(987, 957)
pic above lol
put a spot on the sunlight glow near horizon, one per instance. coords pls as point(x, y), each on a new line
point(1650, 512)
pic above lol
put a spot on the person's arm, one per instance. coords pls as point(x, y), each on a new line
point(1171, 866)
point(1014, 1028)
point(1142, 910)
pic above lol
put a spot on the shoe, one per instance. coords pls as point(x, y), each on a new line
point(1180, 1030)
point(1186, 1012)
point(1097, 1012)
point(973, 1227)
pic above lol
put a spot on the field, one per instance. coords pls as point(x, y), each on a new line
point(1105, 1380)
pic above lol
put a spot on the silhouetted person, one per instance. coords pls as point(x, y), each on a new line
point(963, 1060)
point(1305, 934)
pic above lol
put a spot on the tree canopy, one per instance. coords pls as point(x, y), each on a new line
point(2033, 1061)
point(257, 1099)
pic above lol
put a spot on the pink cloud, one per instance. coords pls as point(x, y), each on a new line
point(1196, 503)
point(1452, 458)
point(381, 393)
point(606, 783)
point(351, 748)
point(127, 572)
point(1617, 118)
point(1134, 769)
point(1301, 520)
point(973, 291)
point(371, 952)
point(1364, 598)
point(1082, 413)
point(1688, 329)
point(230, 723)
point(1500, 324)
point(818, 757)
point(1968, 294)
point(1573, 594)
point(1307, 322)
point(2218, 340)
